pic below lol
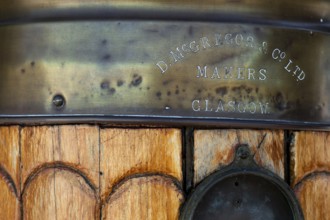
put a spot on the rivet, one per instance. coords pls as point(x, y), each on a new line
point(58, 101)
point(243, 152)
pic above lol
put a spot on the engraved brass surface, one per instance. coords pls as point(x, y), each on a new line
point(213, 69)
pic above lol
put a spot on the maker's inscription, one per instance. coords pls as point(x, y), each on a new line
point(231, 72)
point(230, 106)
point(234, 40)
point(238, 79)
point(160, 70)
point(204, 43)
point(289, 65)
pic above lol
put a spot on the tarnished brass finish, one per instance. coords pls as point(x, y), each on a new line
point(219, 67)
point(307, 11)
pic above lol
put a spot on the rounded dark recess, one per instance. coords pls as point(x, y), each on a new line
point(58, 101)
point(242, 195)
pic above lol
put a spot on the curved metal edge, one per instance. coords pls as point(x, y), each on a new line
point(169, 121)
point(168, 14)
point(238, 167)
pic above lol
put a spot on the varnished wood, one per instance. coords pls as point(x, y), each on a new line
point(59, 194)
point(314, 196)
point(60, 172)
point(153, 197)
point(79, 147)
point(310, 173)
point(51, 146)
point(310, 153)
point(10, 152)
point(216, 148)
point(9, 203)
point(54, 172)
point(125, 152)
point(9, 173)
point(139, 170)
point(88, 172)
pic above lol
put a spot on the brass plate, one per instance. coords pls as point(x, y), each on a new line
point(187, 72)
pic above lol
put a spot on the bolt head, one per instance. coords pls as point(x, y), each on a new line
point(58, 101)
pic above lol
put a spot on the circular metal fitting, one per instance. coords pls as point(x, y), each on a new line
point(59, 101)
point(242, 191)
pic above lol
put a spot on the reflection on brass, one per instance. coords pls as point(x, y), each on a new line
point(164, 69)
point(307, 11)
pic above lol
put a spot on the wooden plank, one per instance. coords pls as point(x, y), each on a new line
point(38, 144)
point(59, 194)
point(9, 202)
point(9, 173)
point(214, 149)
point(310, 153)
point(61, 169)
point(153, 197)
point(314, 196)
point(60, 172)
point(9, 152)
point(79, 147)
point(51, 146)
point(310, 173)
point(125, 152)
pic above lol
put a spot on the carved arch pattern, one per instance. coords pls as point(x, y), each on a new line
point(65, 173)
point(88, 172)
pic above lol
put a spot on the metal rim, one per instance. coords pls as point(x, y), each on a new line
point(237, 169)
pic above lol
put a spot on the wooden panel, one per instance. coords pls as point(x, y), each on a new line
point(9, 203)
point(38, 144)
point(125, 152)
point(148, 198)
point(216, 148)
point(59, 194)
point(60, 170)
point(79, 147)
point(9, 173)
point(52, 146)
point(9, 153)
point(310, 153)
point(314, 197)
point(310, 173)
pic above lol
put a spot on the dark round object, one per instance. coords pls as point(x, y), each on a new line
point(58, 101)
point(242, 195)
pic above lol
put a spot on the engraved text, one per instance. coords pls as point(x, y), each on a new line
point(230, 106)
